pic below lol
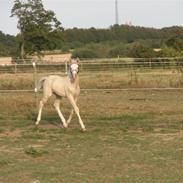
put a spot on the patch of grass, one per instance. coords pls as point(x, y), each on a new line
point(4, 162)
point(1, 117)
point(2, 130)
point(31, 151)
point(125, 117)
point(177, 125)
point(26, 135)
point(130, 121)
point(36, 129)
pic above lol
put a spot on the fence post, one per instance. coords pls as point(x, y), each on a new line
point(131, 74)
point(35, 82)
point(65, 66)
point(150, 63)
point(118, 59)
point(15, 68)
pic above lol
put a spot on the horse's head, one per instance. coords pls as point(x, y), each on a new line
point(74, 67)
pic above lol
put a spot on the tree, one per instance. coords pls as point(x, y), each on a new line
point(140, 51)
point(8, 45)
point(37, 26)
point(175, 42)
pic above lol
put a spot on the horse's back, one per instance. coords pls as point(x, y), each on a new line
point(57, 84)
point(61, 86)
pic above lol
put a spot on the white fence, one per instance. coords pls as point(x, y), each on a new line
point(96, 64)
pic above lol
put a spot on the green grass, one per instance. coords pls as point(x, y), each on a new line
point(106, 155)
point(31, 151)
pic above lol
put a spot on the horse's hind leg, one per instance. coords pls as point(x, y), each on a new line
point(41, 104)
point(46, 94)
point(57, 107)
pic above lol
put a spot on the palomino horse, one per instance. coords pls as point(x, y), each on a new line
point(62, 87)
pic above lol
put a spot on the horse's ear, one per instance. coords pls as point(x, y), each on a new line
point(69, 61)
point(77, 60)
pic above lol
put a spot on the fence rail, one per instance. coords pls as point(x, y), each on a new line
point(101, 89)
point(118, 59)
point(96, 65)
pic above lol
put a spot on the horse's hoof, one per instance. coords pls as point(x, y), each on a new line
point(36, 124)
point(68, 122)
point(65, 126)
point(83, 130)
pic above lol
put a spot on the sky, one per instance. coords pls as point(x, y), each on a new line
point(101, 13)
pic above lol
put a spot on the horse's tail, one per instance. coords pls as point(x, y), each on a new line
point(39, 84)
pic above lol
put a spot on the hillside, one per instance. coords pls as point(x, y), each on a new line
point(8, 45)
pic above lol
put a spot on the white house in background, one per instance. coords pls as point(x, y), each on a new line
point(53, 57)
point(57, 57)
point(5, 60)
point(157, 49)
point(46, 58)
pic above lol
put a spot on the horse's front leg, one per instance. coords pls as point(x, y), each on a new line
point(76, 109)
point(71, 114)
point(57, 107)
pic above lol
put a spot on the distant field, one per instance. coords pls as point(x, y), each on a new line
point(123, 78)
point(51, 57)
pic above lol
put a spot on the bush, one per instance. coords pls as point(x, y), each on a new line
point(84, 53)
point(176, 43)
point(119, 50)
point(170, 52)
point(138, 50)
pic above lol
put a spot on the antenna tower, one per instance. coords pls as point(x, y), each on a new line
point(116, 12)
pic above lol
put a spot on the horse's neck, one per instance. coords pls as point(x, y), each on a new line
point(76, 81)
point(69, 74)
point(73, 81)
